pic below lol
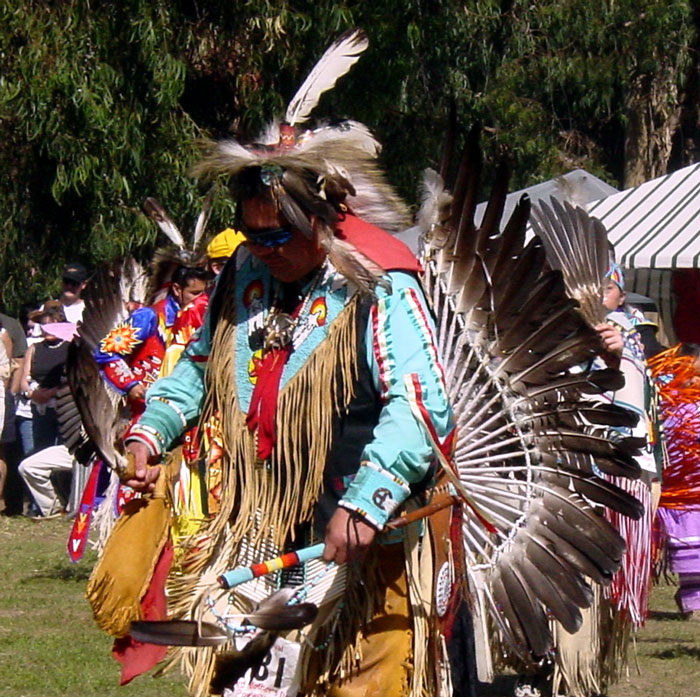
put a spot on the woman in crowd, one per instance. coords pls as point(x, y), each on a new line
point(43, 373)
point(5, 371)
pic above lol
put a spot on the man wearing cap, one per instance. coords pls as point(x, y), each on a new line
point(221, 248)
point(74, 280)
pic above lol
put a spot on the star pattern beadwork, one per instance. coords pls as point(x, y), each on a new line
point(122, 339)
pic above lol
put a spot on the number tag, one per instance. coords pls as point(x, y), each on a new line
point(276, 676)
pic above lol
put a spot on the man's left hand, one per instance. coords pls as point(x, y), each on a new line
point(347, 537)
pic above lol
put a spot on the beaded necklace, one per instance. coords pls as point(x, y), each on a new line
point(279, 327)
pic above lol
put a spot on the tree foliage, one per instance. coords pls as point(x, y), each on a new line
point(102, 101)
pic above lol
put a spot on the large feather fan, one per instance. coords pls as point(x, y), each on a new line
point(577, 245)
point(92, 416)
point(515, 349)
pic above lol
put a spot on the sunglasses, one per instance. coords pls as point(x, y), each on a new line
point(269, 236)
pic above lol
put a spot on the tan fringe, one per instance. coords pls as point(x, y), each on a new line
point(577, 671)
point(343, 633)
point(269, 499)
point(596, 656)
point(420, 574)
point(285, 488)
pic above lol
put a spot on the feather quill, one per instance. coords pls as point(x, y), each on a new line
point(203, 218)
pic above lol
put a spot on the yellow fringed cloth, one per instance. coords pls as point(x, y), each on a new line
point(122, 575)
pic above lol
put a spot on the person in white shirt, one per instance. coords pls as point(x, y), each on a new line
point(74, 280)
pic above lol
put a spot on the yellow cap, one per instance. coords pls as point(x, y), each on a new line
point(224, 244)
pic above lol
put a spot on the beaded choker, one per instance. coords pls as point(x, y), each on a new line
point(280, 326)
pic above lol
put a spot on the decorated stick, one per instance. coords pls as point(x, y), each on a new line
point(235, 577)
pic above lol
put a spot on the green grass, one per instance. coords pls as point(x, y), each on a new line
point(668, 653)
point(50, 646)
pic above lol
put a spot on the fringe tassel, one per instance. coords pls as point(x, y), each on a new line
point(264, 502)
point(577, 670)
point(420, 573)
point(104, 520)
point(287, 486)
point(629, 590)
point(122, 574)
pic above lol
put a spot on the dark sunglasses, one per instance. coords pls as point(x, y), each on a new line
point(269, 236)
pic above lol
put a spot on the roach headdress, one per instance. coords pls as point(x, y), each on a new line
point(322, 171)
point(166, 260)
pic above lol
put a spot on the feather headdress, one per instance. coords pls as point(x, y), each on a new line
point(321, 170)
point(181, 253)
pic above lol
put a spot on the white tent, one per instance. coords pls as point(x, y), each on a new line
point(655, 225)
point(578, 187)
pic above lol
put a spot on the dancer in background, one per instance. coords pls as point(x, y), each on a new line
point(677, 374)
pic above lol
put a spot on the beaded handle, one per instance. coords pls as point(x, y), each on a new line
point(235, 577)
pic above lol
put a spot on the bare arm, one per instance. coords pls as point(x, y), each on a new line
point(16, 384)
point(26, 367)
point(7, 341)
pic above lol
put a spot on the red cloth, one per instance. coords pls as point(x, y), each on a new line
point(686, 286)
point(263, 404)
point(136, 657)
point(383, 249)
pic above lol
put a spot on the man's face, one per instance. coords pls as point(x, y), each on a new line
point(216, 265)
point(291, 261)
point(185, 295)
point(613, 297)
point(71, 290)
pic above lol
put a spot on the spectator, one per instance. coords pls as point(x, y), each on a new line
point(221, 247)
point(5, 359)
point(43, 374)
point(12, 450)
point(74, 280)
point(23, 406)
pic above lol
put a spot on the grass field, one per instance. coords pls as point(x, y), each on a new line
point(49, 644)
point(50, 647)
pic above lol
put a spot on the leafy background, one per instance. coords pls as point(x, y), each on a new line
point(102, 102)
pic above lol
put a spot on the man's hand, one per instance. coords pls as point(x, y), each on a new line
point(138, 391)
point(613, 343)
point(145, 477)
point(347, 537)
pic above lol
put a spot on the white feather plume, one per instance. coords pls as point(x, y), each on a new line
point(435, 201)
point(203, 218)
point(271, 134)
point(157, 213)
point(334, 63)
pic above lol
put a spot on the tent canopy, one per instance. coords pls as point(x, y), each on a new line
point(578, 187)
point(655, 225)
